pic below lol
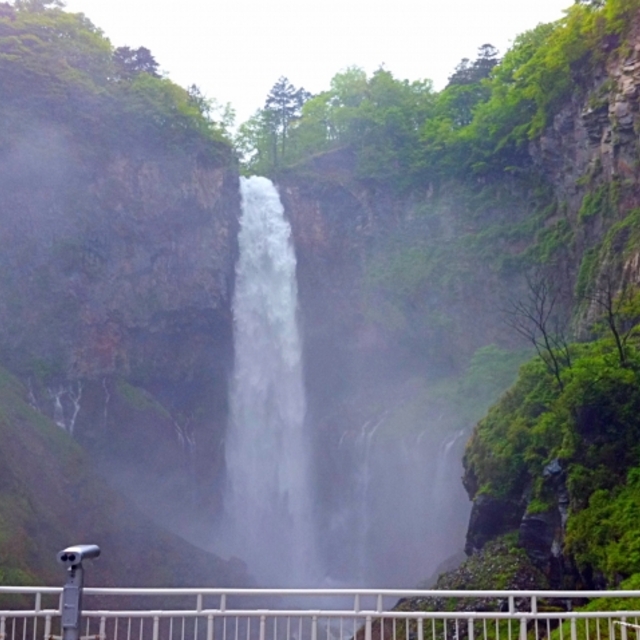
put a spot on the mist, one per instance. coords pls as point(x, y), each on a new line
point(379, 503)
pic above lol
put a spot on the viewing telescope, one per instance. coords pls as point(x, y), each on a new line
point(71, 602)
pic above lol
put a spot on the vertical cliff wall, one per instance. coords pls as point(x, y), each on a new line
point(115, 301)
point(590, 156)
point(396, 294)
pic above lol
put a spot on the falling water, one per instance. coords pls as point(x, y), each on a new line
point(406, 511)
point(268, 505)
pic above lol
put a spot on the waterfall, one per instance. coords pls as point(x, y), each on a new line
point(407, 509)
point(268, 502)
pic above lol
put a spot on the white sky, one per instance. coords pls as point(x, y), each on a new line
point(235, 50)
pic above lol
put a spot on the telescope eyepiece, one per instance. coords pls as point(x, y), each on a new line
point(73, 556)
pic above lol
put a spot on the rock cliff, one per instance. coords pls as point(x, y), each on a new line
point(590, 156)
point(396, 284)
point(115, 301)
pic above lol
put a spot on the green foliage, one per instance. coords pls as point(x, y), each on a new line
point(586, 274)
point(607, 533)
point(598, 202)
point(404, 134)
point(624, 235)
point(491, 371)
point(59, 68)
point(140, 400)
point(129, 62)
point(378, 116)
point(553, 239)
point(592, 425)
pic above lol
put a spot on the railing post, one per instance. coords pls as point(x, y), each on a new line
point(103, 628)
point(38, 607)
point(196, 619)
point(379, 603)
point(623, 629)
point(574, 631)
point(471, 630)
point(420, 628)
point(47, 628)
point(523, 629)
point(209, 627)
point(3, 628)
point(156, 627)
point(356, 603)
point(223, 603)
point(263, 627)
point(367, 628)
point(314, 628)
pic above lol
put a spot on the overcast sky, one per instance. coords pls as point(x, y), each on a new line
point(235, 50)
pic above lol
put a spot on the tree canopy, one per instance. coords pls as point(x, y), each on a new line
point(57, 66)
point(481, 123)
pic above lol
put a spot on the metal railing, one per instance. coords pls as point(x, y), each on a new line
point(33, 613)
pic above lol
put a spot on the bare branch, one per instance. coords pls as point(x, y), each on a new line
point(538, 320)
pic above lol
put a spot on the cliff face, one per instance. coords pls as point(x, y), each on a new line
point(117, 265)
point(385, 279)
point(393, 299)
point(395, 285)
point(590, 156)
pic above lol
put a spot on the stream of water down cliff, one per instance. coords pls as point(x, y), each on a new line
point(268, 505)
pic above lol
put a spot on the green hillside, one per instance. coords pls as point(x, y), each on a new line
point(50, 497)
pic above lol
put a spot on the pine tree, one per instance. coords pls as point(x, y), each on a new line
point(282, 105)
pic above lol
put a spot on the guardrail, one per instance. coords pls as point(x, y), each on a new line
point(33, 613)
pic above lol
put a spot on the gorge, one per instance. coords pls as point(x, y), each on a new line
point(155, 308)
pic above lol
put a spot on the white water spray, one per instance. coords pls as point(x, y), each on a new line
point(268, 504)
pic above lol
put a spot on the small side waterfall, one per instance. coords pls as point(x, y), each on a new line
point(406, 510)
point(268, 503)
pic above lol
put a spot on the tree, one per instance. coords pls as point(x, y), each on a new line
point(468, 72)
point(466, 86)
point(621, 311)
point(282, 105)
point(221, 115)
point(7, 10)
point(131, 62)
point(540, 320)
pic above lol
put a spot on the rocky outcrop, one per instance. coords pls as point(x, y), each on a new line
point(541, 528)
point(491, 517)
point(589, 154)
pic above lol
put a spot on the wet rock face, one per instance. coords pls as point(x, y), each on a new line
point(540, 532)
point(120, 266)
point(109, 252)
point(490, 518)
point(591, 147)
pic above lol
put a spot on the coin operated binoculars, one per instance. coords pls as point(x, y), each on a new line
point(71, 604)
